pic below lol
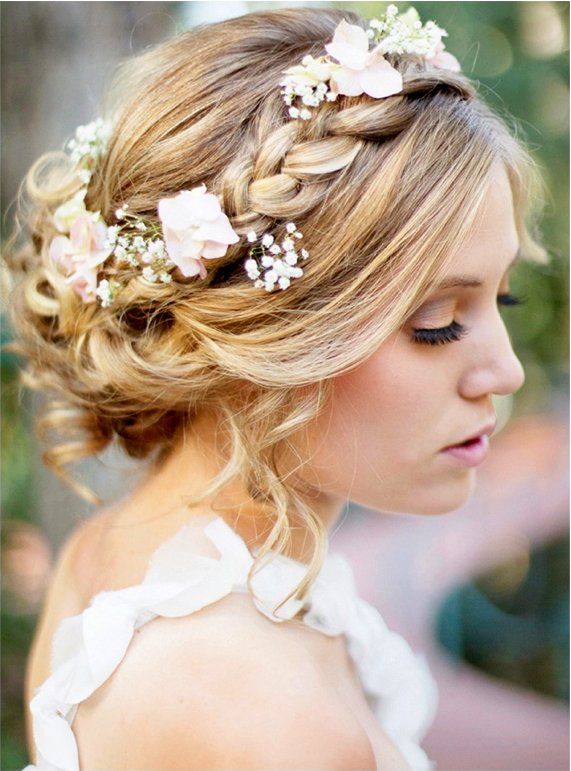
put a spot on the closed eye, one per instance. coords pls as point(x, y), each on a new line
point(455, 331)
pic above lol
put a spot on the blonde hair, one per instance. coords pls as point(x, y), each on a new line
point(383, 190)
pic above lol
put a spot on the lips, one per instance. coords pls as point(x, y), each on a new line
point(488, 429)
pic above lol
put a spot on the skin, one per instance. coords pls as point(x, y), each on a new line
point(378, 443)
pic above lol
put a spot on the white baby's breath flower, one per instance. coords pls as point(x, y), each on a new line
point(103, 291)
point(280, 268)
point(156, 248)
point(310, 100)
point(291, 227)
point(267, 240)
point(304, 253)
point(107, 291)
point(304, 114)
point(288, 244)
point(149, 274)
point(275, 249)
point(251, 236)
point(120, 212)
point(141, 226)
point(165, 277)
point(90, 142)
point(293, 112)
point(267, 260)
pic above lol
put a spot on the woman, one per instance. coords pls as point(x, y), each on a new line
point(166, 301)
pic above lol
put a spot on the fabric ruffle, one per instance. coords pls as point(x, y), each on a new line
point(88, 647)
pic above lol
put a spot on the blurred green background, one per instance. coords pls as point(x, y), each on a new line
point(56, 59)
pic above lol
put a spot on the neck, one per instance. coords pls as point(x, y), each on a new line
point(195, 460)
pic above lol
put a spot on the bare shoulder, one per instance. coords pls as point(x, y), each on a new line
point(219, 689)
point(61, 597)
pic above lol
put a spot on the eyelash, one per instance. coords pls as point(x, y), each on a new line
point(456, 331)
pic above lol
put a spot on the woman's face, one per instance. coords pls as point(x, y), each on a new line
point(380, 442)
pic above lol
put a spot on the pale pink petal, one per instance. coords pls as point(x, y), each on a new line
point(194, 226)
point(205, 206)
point(219, 230)
point(347, 82)
point(80, 233)
point(91, 259)
point(184, 252)
point(189, 245)
point(84, 291)
point(84, 283)
point(173, 213)
point(381, 79)
point(172, 243)
point(188, 266)
point(187, 208)
point(446, 61)
point(349, 46)
point(60, 251)
point(213, 249)
point(98, 236)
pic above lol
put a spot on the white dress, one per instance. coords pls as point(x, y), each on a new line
point(87, 647)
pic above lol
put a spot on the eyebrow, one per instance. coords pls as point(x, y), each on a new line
point(470, 281)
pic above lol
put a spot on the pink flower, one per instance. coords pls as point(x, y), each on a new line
point(82, 253)
point(360, 70)
point(444, 59)
point(195, 227)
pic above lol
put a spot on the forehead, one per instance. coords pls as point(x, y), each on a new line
point(493, 240)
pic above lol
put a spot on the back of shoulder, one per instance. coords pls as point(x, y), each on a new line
point(218, 690)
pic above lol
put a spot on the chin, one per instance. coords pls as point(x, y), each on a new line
point(451, 498)
point(446, 498)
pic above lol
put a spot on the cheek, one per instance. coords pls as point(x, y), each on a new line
point(379, 414)
point(390, 399)
point(377, 441)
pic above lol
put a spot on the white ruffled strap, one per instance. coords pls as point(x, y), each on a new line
point(87, 647)
point(397, 682)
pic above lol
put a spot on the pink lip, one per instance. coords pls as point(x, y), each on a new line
point(488, 429)
point(472, 454)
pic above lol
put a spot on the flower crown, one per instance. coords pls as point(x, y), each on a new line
point(192, 226)
point(359, 70)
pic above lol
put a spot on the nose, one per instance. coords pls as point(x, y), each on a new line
point(493, 367)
